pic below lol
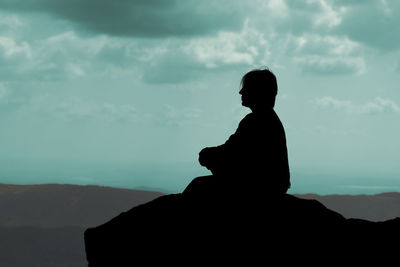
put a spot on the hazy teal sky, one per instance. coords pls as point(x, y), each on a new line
point(146, 84)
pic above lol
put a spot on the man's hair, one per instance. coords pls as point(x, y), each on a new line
point(262, 80)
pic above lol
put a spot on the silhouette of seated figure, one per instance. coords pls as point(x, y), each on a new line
point(255, 156)
point(242, 211)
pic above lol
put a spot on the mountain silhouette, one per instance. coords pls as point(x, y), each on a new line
point(43, 225)
point(65, 205)
point(173, 227)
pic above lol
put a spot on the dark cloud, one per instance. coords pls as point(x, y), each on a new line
point(182, 60)
point(374, 23)
point(302, 17)
point(145, 18)
point(371, 22)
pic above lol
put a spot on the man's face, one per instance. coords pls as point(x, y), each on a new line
point(247, 96)
point(251, 99)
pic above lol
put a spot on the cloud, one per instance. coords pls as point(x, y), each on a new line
point(331, 65)
point(14, 57)
point(326, 54)
point(62, 56)
point(300, 17)
point(373, 23)
point(324, 44)
point(77, 109)
point(378, 105)
point(175, 61)
point(229, 48)
point(330, 102)
point(10, 23)
point(329, 16)
point(278, 8)
point(193, 38)
point(68, 54)
point(10, 49)
point(155, 18)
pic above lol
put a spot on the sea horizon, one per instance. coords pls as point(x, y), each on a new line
point(174, 177)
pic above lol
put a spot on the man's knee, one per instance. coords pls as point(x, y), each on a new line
point(198, 183)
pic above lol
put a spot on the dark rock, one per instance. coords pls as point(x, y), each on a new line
point(224, 228)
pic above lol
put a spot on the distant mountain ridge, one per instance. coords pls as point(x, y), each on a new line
point(43, 225)
point(377, 207)
point(60, 205)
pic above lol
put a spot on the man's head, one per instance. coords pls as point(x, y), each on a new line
point(259, 89)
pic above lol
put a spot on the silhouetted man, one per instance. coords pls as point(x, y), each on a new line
point(255, 156)
point(220, 218)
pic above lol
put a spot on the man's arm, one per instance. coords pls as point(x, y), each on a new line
point(214, 158)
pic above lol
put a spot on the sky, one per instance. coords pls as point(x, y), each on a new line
point(126, 93)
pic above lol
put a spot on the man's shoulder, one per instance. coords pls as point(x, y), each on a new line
point(248, 119)
point(263, 120)
point(267, 115)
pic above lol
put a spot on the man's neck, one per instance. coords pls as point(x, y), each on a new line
point(263, 109)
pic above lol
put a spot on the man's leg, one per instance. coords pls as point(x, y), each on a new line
point(199, 186)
